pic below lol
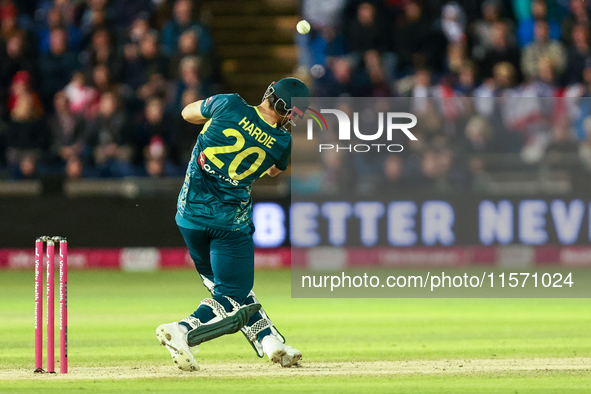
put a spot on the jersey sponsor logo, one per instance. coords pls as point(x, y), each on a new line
point(201, 159)
point(207, 168)
point(208, 100)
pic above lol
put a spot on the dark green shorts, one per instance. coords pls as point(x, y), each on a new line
point(224, 257)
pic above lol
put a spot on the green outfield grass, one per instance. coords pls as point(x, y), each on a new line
point(113, 316)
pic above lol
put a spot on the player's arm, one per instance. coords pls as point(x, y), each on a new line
point(192, 113)
point(282, 163)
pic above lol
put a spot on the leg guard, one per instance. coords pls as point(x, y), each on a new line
point(223, 323)
point(252, 329)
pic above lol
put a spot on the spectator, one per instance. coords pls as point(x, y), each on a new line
point(543, 46)
point(450, 28)
point(499, 51)
point(182, 21)
point(66, 130)
point(189, 81)
point(97, 15)
point(101, 78)
point(504, 76)
point(156, 86)
point(326, 36)
point(578, 53)
point(375, 70)
point(479, 135)
point(367, 31)
point(57, 66)
point(156, 160)
point(75, 168)
point(526, 31)
point(139, 28)
point(188, 46)
point(155, 155)
point(131, 51)
point(55, 20)
point(422, 83)
point(466, 79)
point(8, 20)
point(501, 84)
point(453, 22)
point(547, 75)
point(579, 15)
point(155, 124)
point(101, 52)
point(321, 14)
point(80, 97)
point(411, 38)
point(326, 44)
point(341, 79)
point(27, 137)
point(27, 167)
point(150, 61)
point(68, 9)
point(102, 84)
point(110, 139)
point(24, 104)
point(16, 59)
point(482, 29)
point(456, 58)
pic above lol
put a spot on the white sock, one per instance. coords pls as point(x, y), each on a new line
point(183, 328)
point(265, 339)
point(268, 342)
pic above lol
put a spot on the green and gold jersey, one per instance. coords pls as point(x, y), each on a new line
point(236, 147)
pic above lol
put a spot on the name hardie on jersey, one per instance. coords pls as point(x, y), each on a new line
point(256, 133)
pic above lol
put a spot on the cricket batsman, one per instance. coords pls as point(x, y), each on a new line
point(239, 144)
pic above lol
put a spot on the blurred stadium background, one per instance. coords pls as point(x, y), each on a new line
point(92, 146)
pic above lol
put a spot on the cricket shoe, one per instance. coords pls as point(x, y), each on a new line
point(173, 337)
point(291, 358)
point(278, 353)
point(273, 348)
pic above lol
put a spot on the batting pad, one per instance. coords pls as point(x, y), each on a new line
point(230, 324)
point(252, 330)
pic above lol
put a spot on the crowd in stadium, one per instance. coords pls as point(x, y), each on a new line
point(94, 88)
point(89, 89)
point(438, 54)
point(469, 48)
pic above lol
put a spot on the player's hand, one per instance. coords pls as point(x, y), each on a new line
point(274, 171)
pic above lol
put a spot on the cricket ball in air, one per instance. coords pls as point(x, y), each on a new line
point(303, 27)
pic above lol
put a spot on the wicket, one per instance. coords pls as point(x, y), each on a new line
point(63, 273)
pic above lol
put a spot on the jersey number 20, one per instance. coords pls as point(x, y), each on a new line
point(212, 152)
